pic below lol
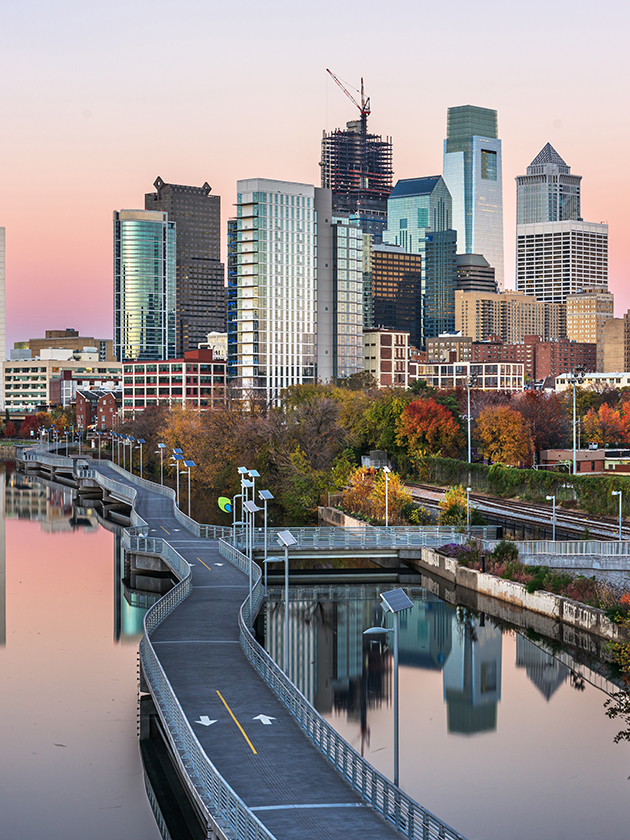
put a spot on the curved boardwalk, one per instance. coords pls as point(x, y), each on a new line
point(273, 767)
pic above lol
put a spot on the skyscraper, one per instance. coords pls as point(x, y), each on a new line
point(144, 285)
point(296, 288)
point(200, 290)
point(419, 214)
point(548, 193)
point(472, 171)
point(557, 254)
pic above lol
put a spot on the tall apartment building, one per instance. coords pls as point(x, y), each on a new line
point(144, 285)
point(200, 291)
point(510, 315)
point(419, 213)
point(557, 253)
point(616, 349)
point(473, 174)
point(587, 313)
point(295, 269)
point(357, 167)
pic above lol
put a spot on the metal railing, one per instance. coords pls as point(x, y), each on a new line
point(360, 538)
point(402, 812)
point(215, 798)
point(597, 548)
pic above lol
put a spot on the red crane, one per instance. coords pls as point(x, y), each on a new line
point(364, 107)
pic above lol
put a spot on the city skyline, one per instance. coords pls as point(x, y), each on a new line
point(82, 139)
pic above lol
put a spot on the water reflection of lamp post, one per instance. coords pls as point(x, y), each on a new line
point(620, 494)
point(553, 520)
point(395, 602)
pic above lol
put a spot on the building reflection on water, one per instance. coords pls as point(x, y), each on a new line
point(543, 669)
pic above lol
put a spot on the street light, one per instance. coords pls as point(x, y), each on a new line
point(131, 440)
point(395, 602)
point(161, 448)
point(387, 471)
point(177, 457)
point(553, 529)
point(620, 494)
point(251, 508)
point(471, 381)
point(265, 496)
point(140, 441)
point(468, 489)
point(576, 378)
point(286, 539)
point(190, 465)
point(248, 485)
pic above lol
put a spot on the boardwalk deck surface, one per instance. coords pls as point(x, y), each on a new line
point(274, 767)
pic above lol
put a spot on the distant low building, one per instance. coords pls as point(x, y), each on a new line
point(68, 339)
point(604, 381)
point(488, 377)
point(586, 460)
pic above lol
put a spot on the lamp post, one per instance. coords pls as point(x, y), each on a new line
point(553, 527)
point(177, 457)
point(576, 378)
point(620, 494)
point(286, 539)
point(251, 508)
point(66, 434)
point(249, 520)
point(471, 381)
point(140, 441)
point(234, 498)
point(468, 489)
point(387, 471)
point(253, 475)
point(265, 496)
point(161, 448)
point(190, 465)
point(131, 440)
point(99, 445)
point(395, 602)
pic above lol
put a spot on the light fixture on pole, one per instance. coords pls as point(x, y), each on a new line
point(395, 602)
point(177, 457)
point(287, 540)
point(161, 448)
point(576, 378)
point(251, 508)
point(253, 474)
point(248, 485)
point(131, 440)
point(140, 441)
point(553, 527)
point(471, 381)
point(190, 465)
point(620, 494)
point(468, 489)
point(99, 445)
point(66, 434)
point(387, 471)
point(265, 496)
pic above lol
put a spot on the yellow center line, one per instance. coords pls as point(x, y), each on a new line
point(205, 564)
point(236, 722)
point(164, 529)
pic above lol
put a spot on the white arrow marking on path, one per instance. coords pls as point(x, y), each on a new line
point(265, 719)
point(218, 564)
point(204, 720)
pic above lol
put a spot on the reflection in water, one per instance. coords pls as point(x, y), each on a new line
point(550, 745)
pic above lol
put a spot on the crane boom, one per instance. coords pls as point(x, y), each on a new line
point(364, 107)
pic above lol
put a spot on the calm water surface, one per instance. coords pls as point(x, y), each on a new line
point(498, 738)
point(68, 644)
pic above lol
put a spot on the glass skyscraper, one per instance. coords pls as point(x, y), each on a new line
point(548, 193)
point(419, 220)
point(144, 285)
point(472, 171)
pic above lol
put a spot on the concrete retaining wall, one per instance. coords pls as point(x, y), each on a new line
point(547, 604)
point(339, 519)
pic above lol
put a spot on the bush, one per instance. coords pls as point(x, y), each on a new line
point(504, 551)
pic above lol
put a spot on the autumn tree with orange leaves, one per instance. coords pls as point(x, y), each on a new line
point(504, 436)
point(427, 428)
point(607, 425)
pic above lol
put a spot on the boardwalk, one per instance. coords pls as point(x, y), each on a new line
point(273, 766)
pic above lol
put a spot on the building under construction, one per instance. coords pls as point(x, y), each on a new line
point(357, 167)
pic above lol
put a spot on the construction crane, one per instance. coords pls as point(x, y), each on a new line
point(364, 107)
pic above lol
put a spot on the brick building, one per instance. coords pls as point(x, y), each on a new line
point(386, 355)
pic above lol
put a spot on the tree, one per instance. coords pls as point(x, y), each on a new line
point(504, 436)
point(427, 428)
point(604, 426)
point(9, 430)
point(29, 427)
point(452, 507)
point(546, 418)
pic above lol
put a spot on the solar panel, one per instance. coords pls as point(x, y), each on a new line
point(251, 507)
point(396, 600)
point(189, 464)
point(178, 451)
point(254, 474)
point(267, 495)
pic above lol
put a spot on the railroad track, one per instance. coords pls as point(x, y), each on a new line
point(604, 527)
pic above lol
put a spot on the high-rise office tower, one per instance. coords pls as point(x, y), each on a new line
point(296, 288)
point(548, 193)
point(419, 214)
point(397, 291)
point(557, 254)
point(357, 167)
point(475, 274)
point(472, 171)
point(144, 285)
point(200, 290)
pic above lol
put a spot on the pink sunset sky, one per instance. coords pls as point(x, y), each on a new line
point(98, 99)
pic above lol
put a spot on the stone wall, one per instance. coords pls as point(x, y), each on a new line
point(338, 519)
